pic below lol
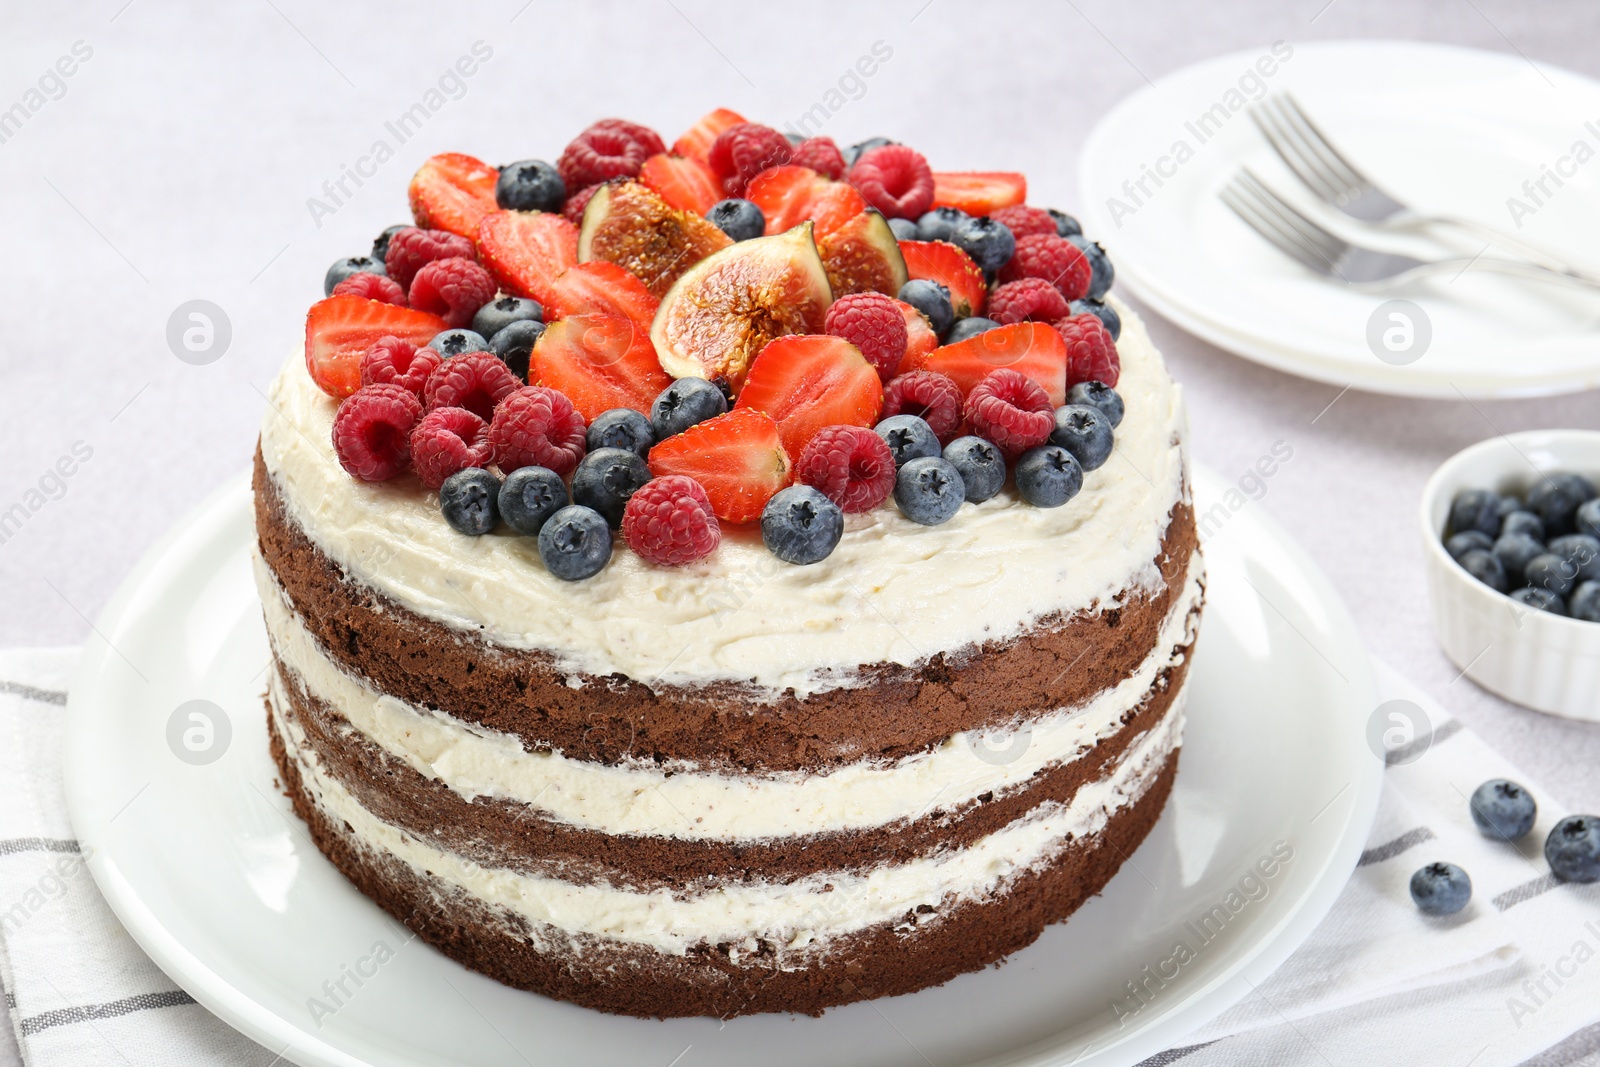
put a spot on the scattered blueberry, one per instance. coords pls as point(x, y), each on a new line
point(496, 315)
point(988, 242)
point(1541, 599)
point(514, 344)
point(684, 403)
point(343, 268)
point(793, 137)
point(940, 223)
point(1585, 602)
point(469, 500)
point(1098, 395)
point(971, 326)
point(1518, 521)
point(575, 543)
point(903, 230)
point(1441, 889)
point(1587, 518)
point(531, 185)
point(529, 496)
point(980, 464)
point(1066, 225)
point(621, 428)
point(1460, 544)
point(1555, 498)
point(853, 153)
point(1552, 573)
point(380, 243)
point(933, 300)
point(1482, 565)
point(1475, 509)
point(1102, 274)
point(928, 489)
point(1514, 551)
point(739, 219)
point(606, 478)
point(458, 343)
point(1085, 432)
point(908, 438)
point(1582, 552)
point(1104, 312)
point(1048, 476)
point(800, 525)
point(1573, 849)
point(1502, 809)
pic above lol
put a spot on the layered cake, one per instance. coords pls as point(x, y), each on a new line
point(739, 576)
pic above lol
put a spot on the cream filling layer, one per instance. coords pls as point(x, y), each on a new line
point(640, 798)
point(892, 592)
point(807, 912)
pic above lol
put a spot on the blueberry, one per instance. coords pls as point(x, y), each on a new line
point(621, 428)
point(800, 525)
point(1518, 521)
point(606, 478)
point(343, 268)
point(1502, 809)
point(380, 243)
point(988, 242)
point(1582, 552)
point(980, 464)
point(684, 403)
point(1573, 849)
point(1104, 312)
point(1441, 889)
point(739, 219)
point(531, 185)
point(933, 300)
point(1460, 544)
point(496, 315)
point(903, 230)
point(971, 326)
point(1587, 518)
point(1048, 476)
point(1482, 565)
point(469, 500)
point(529, 496)
point(928, 490)
point(908, 438)
point(855, 151)
point(1555, 498)
point(1585, 602)
point(575, 543)
point(793, 137)
point(1551, 572)
point(1101, 272)
point(1475, 509)
point(458, 343)
point(1513, 550)
point(1085, 432)
point(1098, 395)
point(1540, 599)
point(514, 344)
point(940, 223)
point(1066, 225)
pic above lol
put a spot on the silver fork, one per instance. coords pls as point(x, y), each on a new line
point(1323, 169)
point(1297, 236)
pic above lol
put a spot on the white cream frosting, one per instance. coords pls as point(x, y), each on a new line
point(892, 592)
point(640, 797)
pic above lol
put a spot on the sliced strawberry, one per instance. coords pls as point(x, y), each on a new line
point(604, 288)
point(1031, 348)
point(696, 142)
point(599, 362)
point(340, 329)
point(687, 184)
point(738, 458)
point(808, 381)
point(527, 251)
point(978, 192)
point(453, 192)
point(920, 338)
point(942, 262)
point(788, 196)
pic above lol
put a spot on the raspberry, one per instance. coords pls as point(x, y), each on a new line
point(1055, 259)
point(411, 249)
point(895, 180)
point(669, 521)
point(1012, 410)
point(1027, 298)
point(477, 381)
point(1091, 353)
point(391, 361)
point(453, 289)
point(372, 287)
point(850, 465)
point(821, 155)
point(572, 211)
point(372, 429)
point(448, 440)
point(537, 427)
point(1024, 221)
point(741, 152)
point(611, 148)
point(930, 396)
point(873, 323)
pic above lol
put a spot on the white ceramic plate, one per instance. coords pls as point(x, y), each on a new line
point(1449, 130)
point(220, 884)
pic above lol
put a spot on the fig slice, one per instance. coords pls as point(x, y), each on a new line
point(863, 256)
point(719, 315)
point(630, 225)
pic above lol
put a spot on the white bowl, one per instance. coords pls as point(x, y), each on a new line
point(1547, 662)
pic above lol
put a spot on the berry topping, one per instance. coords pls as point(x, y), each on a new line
point(1011, 410)
point(920, 338)
point(895, 179)
point(476, 381)
point(908, 438)
point(1091, 353)
point(514, 344)
point(611, 148)
point(496, 315)
point(697, 141)
point(788, 196)
point(599, 362)
point(969, 327)
point(1104, 312)
point(529, 496)
point(738, 458)
point(739, 219)
point(1027, 299)
point(808, 381)
point(603, 288)
point(1103, 274)
point(575, 543)
point(850, 465)
point(1099, 395)
point(1573, 849)
point(606, 478)
point(448, 440)
point(412, 249)
point(903, 230)
point(452, 192)
point(526, 252)
point(380, 243)
point(685, 403)
point(860, 148)
point(821, 155)
point(372, 431)
point(458, 342)
point(944, 263)
point(1048, 476)
point(1024, 221)
point(1066, 225)
point(578, 203)
point(1055, 260)
point(978, 192)
point(340, 329)
point(536, 426)
point(1502, 809)
point(873, 323)
point(939, 223)
point(741, 152)
point(1033, 348)
point(1085, 432)
point(454, 289)
point(530, 185)
point(669, 522)
point(930, 396)
point(349, 267)
point(620, 428)
point(373, 287)
point(1441, 889)
point(391, 361)
point(933, 300)
point(980, 464)
point(686, 184)
point(801, 525)
point(928, 490)
point(988, 242)
point(470, 501)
